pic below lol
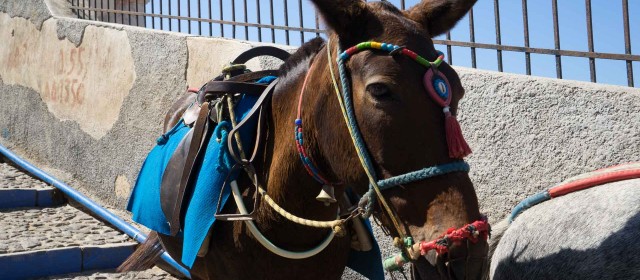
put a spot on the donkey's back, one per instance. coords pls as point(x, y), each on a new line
point(590, 234)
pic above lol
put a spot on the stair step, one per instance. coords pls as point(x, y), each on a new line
point(41, 236)
point(48, 228)
point(20, 190)
point(30, 264)
point(154, 273)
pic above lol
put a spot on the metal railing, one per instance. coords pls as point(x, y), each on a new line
point(222, 18)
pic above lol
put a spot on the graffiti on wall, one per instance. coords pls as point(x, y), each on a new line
point(86, 83)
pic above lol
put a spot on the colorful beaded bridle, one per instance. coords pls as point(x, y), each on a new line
point(439, 89)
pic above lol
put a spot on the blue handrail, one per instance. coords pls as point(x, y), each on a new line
point(89, 204)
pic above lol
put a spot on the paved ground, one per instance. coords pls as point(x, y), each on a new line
point(154, 273)
point(31, 229)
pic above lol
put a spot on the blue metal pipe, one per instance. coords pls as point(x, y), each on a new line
point(89, 204)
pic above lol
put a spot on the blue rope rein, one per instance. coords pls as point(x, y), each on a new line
point(428, 172)
point(528, 203)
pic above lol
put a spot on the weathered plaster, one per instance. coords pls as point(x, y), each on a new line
point(85, 83)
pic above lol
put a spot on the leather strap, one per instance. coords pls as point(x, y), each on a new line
point(172, 175)
point(212, 89)
point(257, 108)
point(199, 131)
point(222, 87)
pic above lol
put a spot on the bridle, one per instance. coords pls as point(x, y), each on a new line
point(438, 88)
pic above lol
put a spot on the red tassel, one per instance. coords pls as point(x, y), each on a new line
point(458, 147)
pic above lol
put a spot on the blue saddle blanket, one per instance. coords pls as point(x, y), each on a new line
point(201, 199)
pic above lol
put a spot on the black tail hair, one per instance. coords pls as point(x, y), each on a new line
point(145, 256)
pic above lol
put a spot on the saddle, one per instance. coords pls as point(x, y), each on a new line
point(202, 115)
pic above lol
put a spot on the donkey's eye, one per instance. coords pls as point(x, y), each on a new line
point(379, 90)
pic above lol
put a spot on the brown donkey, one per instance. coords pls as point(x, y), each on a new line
point(402, 127)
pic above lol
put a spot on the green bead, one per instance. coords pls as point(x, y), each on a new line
point(423, 61)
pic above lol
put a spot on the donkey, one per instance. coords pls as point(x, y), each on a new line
point(591, 234)
point(401, 126)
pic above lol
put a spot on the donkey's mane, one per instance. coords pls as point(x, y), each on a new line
point(291, 68)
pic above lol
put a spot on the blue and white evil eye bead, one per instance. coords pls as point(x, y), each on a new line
point(441, 88)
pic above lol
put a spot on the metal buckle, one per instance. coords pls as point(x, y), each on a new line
point(249, 169)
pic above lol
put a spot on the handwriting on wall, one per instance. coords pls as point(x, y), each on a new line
point(66, 86)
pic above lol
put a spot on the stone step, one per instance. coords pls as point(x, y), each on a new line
point(18, 189)
point(39, 263)
point(60, 242)
point(32, 229)
point(154, 273)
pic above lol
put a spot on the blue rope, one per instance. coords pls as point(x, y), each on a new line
point(423, 174)
point(528, 203)
point(221, 132)
point(346, 89)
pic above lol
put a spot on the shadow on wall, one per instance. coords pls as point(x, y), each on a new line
point(617, 257)
point(122, 5)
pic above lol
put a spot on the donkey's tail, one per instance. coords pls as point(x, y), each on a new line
point(145, 256)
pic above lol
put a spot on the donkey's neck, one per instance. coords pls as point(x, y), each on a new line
point(285, 177)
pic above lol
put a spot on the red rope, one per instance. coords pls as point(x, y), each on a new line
point(594, 181)
point(473, 232)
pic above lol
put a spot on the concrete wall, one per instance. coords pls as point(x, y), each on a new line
point(86, 100)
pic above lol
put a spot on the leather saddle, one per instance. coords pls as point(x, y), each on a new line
point(201, 116)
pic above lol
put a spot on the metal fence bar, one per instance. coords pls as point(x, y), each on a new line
point(221, 18)
point(161, 19)
point(556, 37)
point(282, 27)
point(613, 56)
point(472, 38)
point(189, 16)
point(286, 20)
point(271, 20)
point(301, 21)
point(153, 12)
point(496, 11)
point(82, 9)
point(259, 21)
point(233, 18)
point(122, 16)
point(199, 16)
point(210, 17)
point(449, 53)
point(627, 40)
point(525, 24)
point(592, 61)
point(108, 14)
point(169, 23)
point(317, 23)
point(179, 14)
point(246, 28)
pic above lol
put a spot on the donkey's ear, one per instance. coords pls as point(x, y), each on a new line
point(438, 16)
point(347, 18)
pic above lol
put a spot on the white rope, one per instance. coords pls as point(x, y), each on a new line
point(237, 196)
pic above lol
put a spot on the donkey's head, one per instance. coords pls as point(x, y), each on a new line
point(402, 125)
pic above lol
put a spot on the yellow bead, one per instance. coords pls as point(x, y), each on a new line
point(376, 45)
